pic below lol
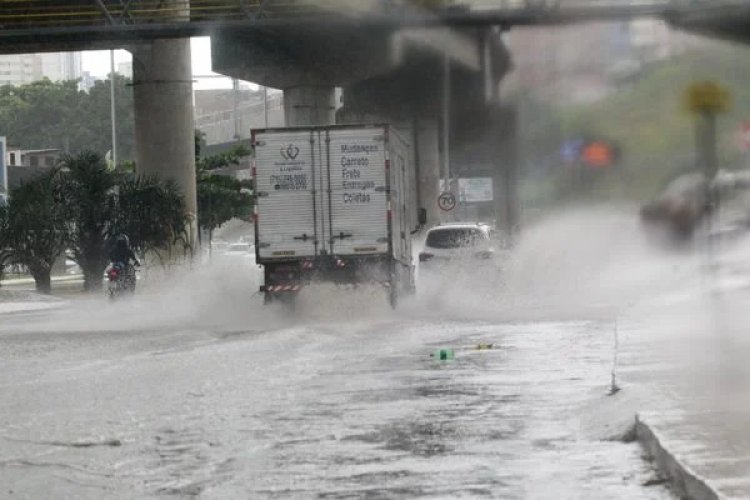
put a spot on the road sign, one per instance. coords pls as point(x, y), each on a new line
point(570, 151)
point(597, 154)
point(475, 189)
point(446, 202)
point(707, 97)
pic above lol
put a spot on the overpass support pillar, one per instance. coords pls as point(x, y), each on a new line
point(164, 123)
point(507, 204)
point(428, 161)
point(309, 105)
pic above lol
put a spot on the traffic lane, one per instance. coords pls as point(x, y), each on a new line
point(329, 409)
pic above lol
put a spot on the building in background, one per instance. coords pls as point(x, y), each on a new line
point(60, 66)
point(15, 157)
point(125, 69)
point(23, 165)
point(19, 69)
point(87, 81)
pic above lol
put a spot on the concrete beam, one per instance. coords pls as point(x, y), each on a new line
point(461, 50)
point(289, 58)
point(302, 57)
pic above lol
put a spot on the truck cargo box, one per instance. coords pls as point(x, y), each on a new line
point(333, 194)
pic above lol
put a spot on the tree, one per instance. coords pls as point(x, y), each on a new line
point(100, 203)
point(34, 229)
point(47, 114)
point(151, 213)
point(221, 197)
point(87, 186)
point(95, 108)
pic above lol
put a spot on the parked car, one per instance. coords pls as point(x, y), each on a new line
point(462, 243)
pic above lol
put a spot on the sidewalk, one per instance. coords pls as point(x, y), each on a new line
point(690, 355)
point(18, 295)
point(30, 281)
point(16, 301)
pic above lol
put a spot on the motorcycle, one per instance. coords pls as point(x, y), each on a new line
point(121, 280)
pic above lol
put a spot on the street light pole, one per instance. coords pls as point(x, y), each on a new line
point(446, 116)
point(112, 106)
point(265, 106)
point(236, 107)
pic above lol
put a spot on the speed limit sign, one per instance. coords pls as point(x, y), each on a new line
point(446, 201)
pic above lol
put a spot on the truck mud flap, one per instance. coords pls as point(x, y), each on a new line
point(281, 288)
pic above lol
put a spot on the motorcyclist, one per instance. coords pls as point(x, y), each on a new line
point(121, 252)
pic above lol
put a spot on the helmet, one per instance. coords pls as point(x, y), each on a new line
point(122, 241)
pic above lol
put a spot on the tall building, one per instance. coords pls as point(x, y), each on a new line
point(59, 66)
point(18, 69)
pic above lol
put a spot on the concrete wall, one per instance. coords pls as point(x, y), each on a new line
point(220, 126)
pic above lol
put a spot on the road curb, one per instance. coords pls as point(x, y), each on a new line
point(684, 481)
point(30, 281)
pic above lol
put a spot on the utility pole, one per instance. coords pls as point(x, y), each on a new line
point(446, 117)
point(112, 106)
point(236, 103)
point(706, 100)
point(265, 106)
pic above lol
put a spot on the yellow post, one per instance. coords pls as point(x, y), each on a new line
point(707, 99)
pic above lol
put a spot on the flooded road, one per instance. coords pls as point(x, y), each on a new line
point(194, 389)
point(348, 409)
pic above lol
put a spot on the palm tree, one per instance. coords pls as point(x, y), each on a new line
point(101, 203)
point(34, 229)
point(88, 186)
point(152, 213)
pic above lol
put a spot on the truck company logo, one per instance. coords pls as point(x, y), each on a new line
point(290, 153)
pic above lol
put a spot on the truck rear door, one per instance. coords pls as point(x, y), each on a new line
point(286, 166)
point(358, 205)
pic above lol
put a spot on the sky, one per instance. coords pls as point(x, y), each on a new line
point(97, 63)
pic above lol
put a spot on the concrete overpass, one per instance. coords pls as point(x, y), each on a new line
point(430, 69)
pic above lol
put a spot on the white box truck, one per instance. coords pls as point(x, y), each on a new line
point(336, 204)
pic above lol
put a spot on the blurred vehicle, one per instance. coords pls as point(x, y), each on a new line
point(679, 208)
point(462, 243)
point(219, 245)
point(689, 199)
point(121, 280)
point(240, 249)
point(72, 267)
